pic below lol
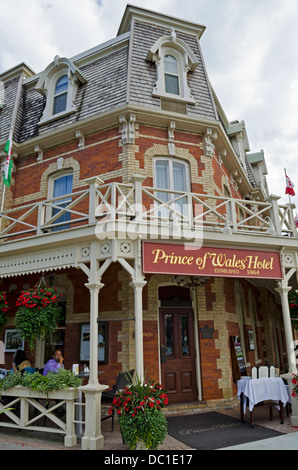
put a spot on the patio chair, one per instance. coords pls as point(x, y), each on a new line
point(123, 379)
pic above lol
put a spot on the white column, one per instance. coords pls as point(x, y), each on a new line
point(93, 361)
point(138, 305)
point(93, 439)
point(283, 292)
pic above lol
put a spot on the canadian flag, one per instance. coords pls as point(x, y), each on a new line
point(289, 187)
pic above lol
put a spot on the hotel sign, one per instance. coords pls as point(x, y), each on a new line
point(161, 258)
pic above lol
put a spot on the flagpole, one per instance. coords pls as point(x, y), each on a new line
point(286, 177)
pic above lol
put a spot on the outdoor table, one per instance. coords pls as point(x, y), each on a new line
point(256, 391)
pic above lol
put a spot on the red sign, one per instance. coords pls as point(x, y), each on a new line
point(161, 258)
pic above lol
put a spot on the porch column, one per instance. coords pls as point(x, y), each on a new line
point(93, 362)
point(138, 305)
point(283, 292)
point(93, 439)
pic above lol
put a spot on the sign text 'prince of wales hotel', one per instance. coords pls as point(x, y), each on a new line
point(159, 258)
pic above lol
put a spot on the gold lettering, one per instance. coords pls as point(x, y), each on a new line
point(160, 254)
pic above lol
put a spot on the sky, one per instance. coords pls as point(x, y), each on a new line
point(250, 48)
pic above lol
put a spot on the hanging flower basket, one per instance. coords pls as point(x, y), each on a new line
point(293, 305)
point(37, 314)
point(4, 308)
point(142, 423)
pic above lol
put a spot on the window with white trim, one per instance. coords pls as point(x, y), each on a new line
point(172, 176)
point(60, 185)
point(59, 84)
point(171, 74)
point(173, 59)
point(60, 94)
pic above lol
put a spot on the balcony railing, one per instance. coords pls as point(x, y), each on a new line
point(140, 204)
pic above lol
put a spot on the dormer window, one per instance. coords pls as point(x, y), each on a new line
point(173, 59)
point(59, 84)
point(60, 95)
point(171, 74)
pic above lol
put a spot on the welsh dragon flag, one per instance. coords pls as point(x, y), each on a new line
point(8, 163)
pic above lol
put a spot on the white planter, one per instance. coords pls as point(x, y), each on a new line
point(63, 394)
point(25, 397)
point(294, 400)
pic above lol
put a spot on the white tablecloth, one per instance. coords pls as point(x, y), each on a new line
point(257, 390)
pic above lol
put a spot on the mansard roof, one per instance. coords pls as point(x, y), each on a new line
point(112, 75)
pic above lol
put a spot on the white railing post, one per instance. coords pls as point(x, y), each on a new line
point(137, 180)
point(40, 218)
point(233, 214)
point(291, 220)
point(93, 202)
point(274, 213)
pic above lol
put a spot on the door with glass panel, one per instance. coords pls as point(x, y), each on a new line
point(171, 175)
point(177, 354)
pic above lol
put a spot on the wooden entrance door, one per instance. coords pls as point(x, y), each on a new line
point(178, 354)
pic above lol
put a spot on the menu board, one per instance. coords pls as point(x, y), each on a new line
point(237, 356)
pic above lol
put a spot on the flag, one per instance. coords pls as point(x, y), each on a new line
point(8, 163)
point(289, 187)
point(296, 220)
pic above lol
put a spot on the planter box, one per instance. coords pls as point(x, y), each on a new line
point(63, 394)
point(23, 397)
point(294, 400)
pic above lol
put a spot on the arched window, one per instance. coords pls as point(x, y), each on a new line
point(60, 95)
point(171, 74)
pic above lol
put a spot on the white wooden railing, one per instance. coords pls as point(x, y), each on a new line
point(142, 204)
point(27, 409)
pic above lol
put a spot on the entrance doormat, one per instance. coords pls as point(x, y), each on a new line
point(210, 431)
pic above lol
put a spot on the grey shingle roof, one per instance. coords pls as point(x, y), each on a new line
point(106, 86)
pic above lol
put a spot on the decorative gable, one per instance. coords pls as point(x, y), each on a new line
point(59, 84)
point(173, 59)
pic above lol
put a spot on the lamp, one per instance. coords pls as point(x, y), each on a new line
point(51, 279)
point(191, 281)
point(13, 289)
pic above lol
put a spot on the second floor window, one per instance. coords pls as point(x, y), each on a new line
point(60, 95)
point(62, 186)
point(172, 175)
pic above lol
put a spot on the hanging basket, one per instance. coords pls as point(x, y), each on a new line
point(37, 314)
point(4, 309)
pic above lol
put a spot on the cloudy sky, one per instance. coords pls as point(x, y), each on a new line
point(250, 49)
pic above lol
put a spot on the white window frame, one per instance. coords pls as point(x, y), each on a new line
point(51, 183)
point(164, 212)
point(186, 61)
point(47, 85)
point(56, 95)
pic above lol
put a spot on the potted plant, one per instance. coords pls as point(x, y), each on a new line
point(142, 423)
point(37, 314)
point(4, 308)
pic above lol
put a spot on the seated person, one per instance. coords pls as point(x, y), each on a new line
point(21, 363)
point(53, 365)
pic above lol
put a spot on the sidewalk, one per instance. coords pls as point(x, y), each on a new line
point(12, 439)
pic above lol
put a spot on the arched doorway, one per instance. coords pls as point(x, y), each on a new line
point(176, 319)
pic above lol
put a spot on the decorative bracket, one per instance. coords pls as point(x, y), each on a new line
point(39, 152)
point(171, 145)
point(208, 140)
point(128, 129)
point(81, 138)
